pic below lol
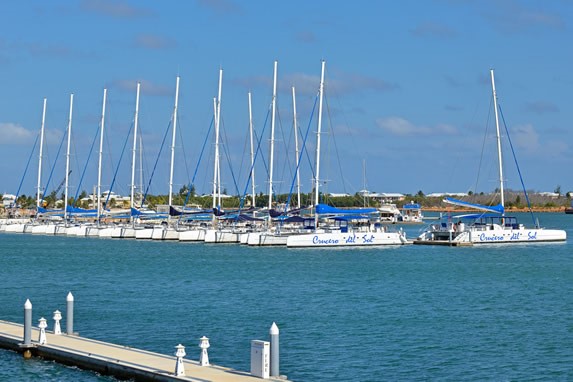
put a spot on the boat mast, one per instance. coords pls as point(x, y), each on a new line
point(252, 153)
point(134, 150)
point(173, 143)
point(39, 194)
point(68, 159)
point(295, 126)
point(316, 180)
point(272, 153)
point(498, 137)
point(216, 171)
point(100, 156)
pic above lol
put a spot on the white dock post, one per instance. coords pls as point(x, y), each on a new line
point(42, 325)
point(70, 314)
point(204, 345)
point(274, 334)
point(179, 367)
point(57, 318)
point(27, 323)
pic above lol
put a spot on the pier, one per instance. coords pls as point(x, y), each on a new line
point(125, 362)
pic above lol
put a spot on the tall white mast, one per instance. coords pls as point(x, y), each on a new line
point(39, 194)
point(272, 153)
point(252, 153)
point(498, 136)
point(295, 126)
point(216, 171)
point(134, 150)
point(173, 142)
point(100, 155)
point(68, 159)
point(316, 180)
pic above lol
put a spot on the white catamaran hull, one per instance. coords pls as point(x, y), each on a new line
point(346, 239)
point(217, 236)
point(192, 235)
point(493, 236)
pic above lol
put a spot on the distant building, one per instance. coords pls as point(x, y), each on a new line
point(442, 194)
point(552, 195)
point(391, 196)
point(8, 200)
point(338, 195)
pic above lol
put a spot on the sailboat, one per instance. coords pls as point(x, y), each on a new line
point(356, 227)
point(491, 225)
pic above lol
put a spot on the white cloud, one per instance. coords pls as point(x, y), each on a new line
point(147, 87)
point(401, 126)
point(525, 137)
point(13, 133)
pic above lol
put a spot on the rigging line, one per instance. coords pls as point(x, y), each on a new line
point(517, 165)
point(245, 142)
point(117, 167)
point(335, 145)
point(303, 149)
point(27, 164)
point(183, 149)
point(192, 181)
point(287, 163)
point(156, 161)
point(257, 151)
point(483, 144)
point(55, 162)
point(85, 167)
point(226, 152)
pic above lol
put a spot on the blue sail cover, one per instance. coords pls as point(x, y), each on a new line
point(80, 211)
point(496, 209)
point(326, 209)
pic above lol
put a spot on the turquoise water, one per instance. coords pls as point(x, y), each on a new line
point(496, 313)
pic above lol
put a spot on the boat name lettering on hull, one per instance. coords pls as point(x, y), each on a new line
point(317, 240)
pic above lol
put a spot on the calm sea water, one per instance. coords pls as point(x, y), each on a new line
point(495, 313)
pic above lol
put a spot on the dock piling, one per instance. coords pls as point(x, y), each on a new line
point(204, 345)
point(274, 340)
point(42, 325)
point(27, 323)
point(70, 314)
point(57, 319)
point(179, 367)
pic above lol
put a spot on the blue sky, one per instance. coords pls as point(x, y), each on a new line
point(407, 90)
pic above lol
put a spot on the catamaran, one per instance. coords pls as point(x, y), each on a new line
point(357, 227)
point(491, 225)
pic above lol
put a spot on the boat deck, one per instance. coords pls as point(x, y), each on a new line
point(443, 243)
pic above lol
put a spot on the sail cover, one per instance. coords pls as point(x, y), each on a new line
point(496, 209)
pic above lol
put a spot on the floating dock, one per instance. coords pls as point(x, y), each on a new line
point(122, 362)
point(444, 242)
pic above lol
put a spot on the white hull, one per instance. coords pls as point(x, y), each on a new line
point(192, 235)
point(105, 232)
point(216, 236)
point(143, 233)
point(346, 239)
point(266, 239)
point(73, 230)
point(15, 228)
point(39, 229)
point(164, 233)
point(60, 230)
point(495, 235)
point(123, 232)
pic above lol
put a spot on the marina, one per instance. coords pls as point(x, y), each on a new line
point(415, 312)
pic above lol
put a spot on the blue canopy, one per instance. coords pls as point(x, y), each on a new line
point(326, 209)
